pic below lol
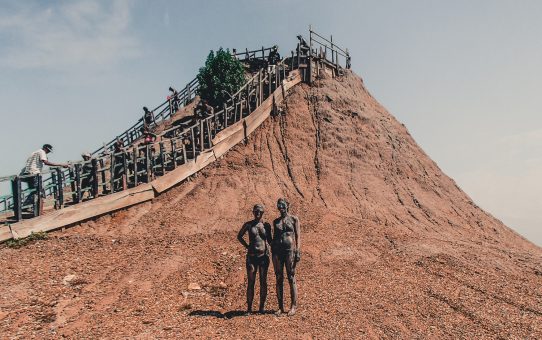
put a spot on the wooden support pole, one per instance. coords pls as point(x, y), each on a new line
point(201, 135)
point(55, 188)
point(135, 151)
point(173, 144)
point(193, 141)
point(124, 170)
point(112, 166)
point(38, 207)
point(332, 51)
point(208, 126)
point(162, 160)
point(260, 87)
point(268, 75)
point(225, 116)
point(184, 152)
point(78, 189)
point(102, 173)
point(248, 99)
point(148, 168)
point(60, 187)
point(95, 188)
point(74, 183)
point(298, 54)
point(17, 201)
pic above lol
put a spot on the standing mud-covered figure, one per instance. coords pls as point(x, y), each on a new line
point(286, 248)
point(259, 235)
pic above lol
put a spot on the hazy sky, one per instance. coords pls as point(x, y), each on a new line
point(464, 76)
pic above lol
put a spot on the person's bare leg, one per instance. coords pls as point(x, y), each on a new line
point(279, 277)
point(290, 271)
point(251, 278)
point(263, 284)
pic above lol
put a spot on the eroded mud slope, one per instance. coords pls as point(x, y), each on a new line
point(391, 246)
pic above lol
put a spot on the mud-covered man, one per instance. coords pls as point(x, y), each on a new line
point(286, 249)
point(257, 260)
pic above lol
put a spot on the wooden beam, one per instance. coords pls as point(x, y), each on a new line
point(84, 211)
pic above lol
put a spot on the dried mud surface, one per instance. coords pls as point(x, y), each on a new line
point(392, 248)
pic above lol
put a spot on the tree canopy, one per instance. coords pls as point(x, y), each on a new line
point(222, 72)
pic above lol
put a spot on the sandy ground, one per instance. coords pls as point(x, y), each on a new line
point(392, 248)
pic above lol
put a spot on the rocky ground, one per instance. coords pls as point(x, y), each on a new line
point(391, 247)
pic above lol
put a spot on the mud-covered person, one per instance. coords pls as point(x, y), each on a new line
point(87, 175)
point(257, 259)
point(148, 117)
point(286, 249)
point(118, 165)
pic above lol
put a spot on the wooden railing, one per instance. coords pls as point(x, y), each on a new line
point(108, 172)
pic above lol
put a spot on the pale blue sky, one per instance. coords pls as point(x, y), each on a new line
point(463, 76)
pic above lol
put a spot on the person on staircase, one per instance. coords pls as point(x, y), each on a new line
point(148, 117)
point(87, 175)
point(174, 100)
point(33, 168)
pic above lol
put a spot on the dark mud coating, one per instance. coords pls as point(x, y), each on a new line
point(392, 247)
point(286, 254)
point(257, 257)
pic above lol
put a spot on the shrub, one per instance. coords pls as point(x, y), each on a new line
point(17, 243)
point(222, 72)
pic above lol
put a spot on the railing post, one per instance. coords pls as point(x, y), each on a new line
point(260, 87)
point(162, 161)
point(148, 168)
point(193, 142)
point(38, 207)
point(78, 190)
point(112, 167)
point(173, 152)
point(124, 170)
point(188, 94)
point(268, 75)
point(209, 135)
point(74, 183)
point(55, 188)
point(60, 187)
point(94, 170)
point(102, 172)
point(201, 135)
point(17, 202)
point(248, 98)
point(184, 152)
point(225, 116)
point(135, 155)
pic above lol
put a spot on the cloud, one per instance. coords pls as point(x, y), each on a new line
point(61, 35)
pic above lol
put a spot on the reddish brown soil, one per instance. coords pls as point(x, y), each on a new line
point(392, 248)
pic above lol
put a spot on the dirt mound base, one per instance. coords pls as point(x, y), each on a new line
point(391, 246)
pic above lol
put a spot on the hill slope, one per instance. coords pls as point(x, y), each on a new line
point(391, 246)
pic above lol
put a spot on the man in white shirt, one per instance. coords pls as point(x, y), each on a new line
point(33, 167)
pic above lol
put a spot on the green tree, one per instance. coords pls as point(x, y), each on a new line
point(222, 72)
